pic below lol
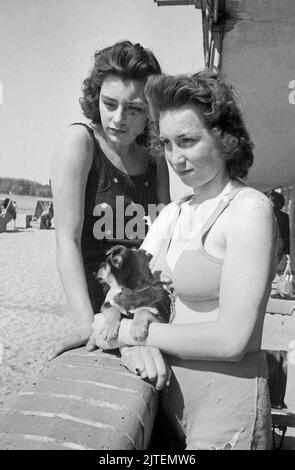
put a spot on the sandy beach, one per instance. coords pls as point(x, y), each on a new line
point(33, 308)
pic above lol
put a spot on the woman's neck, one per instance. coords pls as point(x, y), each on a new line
point(123, 151)
point(129, 159)
point(211, 189)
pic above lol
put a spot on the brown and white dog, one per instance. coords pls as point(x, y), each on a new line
point(134, 292)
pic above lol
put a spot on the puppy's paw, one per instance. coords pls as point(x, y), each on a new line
point(112, 316)
point(110, 331)
point(139, 330)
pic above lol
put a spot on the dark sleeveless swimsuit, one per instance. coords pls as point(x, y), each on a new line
point(111, 200)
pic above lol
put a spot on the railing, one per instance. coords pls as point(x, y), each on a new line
point(212, 14)
point(212, 11)
point(161, 3)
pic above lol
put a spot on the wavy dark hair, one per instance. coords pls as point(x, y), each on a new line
point(124, 59)
point(216, 105)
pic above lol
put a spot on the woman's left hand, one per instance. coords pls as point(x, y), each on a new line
point(147, 363)
point(98, 337)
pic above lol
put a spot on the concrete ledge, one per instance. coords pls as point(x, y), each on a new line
point(82, 400)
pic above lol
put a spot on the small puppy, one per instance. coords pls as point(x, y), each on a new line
point(134, 292)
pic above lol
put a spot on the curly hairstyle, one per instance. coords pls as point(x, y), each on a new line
point(216, 105)
point(124, 59)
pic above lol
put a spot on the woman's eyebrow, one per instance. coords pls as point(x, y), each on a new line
point(106, 97)
point(183, 135)
point(137, 103)
point(190, 134)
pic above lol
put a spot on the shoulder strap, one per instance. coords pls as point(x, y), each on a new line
point(96, 147)
point(179, 202)
point(174, 222)
point(89, 129)
point(223, 204)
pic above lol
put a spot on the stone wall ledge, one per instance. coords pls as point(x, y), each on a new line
point(82, 400)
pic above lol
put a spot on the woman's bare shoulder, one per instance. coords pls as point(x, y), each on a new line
point(74, 146)
point(75, 134)
point(251, 206)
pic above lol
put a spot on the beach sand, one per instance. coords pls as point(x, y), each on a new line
point(33, 308)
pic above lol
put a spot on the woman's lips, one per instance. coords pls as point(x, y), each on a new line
point(116, 131)
point(184, 172)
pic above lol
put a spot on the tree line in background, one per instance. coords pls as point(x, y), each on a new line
point(24, 187)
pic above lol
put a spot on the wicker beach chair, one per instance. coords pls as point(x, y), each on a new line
point(7, 213)
point(43, 214)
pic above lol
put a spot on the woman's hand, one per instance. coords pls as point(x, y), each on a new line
point(76, 339)
point(148, 363)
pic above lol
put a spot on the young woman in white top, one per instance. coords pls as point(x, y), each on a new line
point(217, 249)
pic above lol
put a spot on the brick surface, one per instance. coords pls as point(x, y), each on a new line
point(127, 383)
point(86, 410)
point(91, 387)
point(81, 400)
point(66, 430)
point(27, 442)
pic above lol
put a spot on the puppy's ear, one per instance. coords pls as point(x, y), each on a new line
point(113, 249)
point(115, 256)
point(146, 254)
point(117, 261)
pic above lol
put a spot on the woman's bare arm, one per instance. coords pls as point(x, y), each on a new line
point(244, 291)
point(70, 167)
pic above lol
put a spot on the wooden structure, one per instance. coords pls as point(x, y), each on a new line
point(252, 43)
point(6, 215)
point(196, 3)
point(279, 337)
point(43, 214)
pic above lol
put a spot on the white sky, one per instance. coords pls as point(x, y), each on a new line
point(46, 49)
